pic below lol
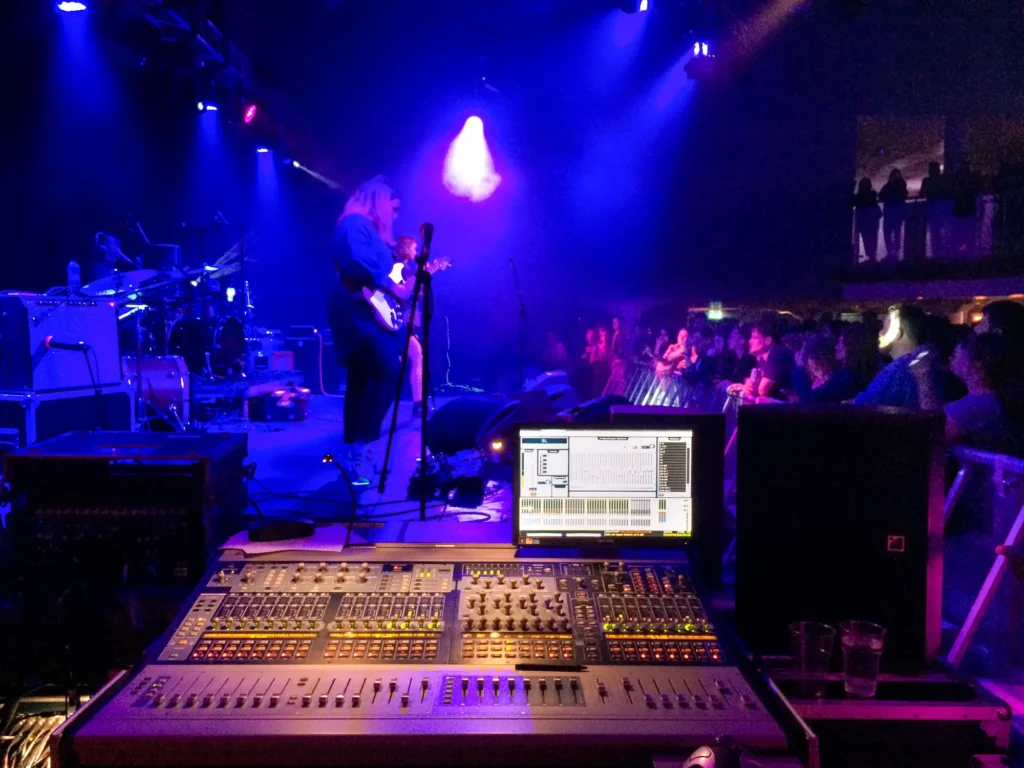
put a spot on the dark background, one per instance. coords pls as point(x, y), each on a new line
point(621, 179)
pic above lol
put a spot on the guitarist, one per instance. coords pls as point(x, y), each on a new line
point(406, 251)
point(362, 252)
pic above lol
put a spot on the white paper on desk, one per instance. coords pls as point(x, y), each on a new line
point(330, 538)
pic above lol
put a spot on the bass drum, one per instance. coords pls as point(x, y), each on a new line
point(217, 344)
point(165, 384)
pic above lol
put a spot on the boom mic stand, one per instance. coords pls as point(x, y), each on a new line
point(422, 287)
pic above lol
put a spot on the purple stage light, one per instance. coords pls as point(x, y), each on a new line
point(468, 167)
point(250, 114)
point(70, 7)
point(262, 150)
point(643, 5)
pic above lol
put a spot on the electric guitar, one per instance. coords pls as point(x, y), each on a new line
point(387, 310)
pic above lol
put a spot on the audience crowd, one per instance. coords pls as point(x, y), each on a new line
point(909, 359)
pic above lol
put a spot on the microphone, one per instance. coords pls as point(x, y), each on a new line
point(427, 233)
point(70, 346)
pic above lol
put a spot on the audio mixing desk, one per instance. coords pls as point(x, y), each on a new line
point(428, 657)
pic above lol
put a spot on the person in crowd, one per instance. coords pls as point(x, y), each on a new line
point(856, 354)
point(674, 356)
point(989, 415)
point(906, 333)
point(554, 357)
point(943, 339)
point(867, 216)
point(590, 346)
point(775, 362)
point(702, 366)
point(1006, 318)
point(893, 197)
point(725, 359)
point(619, 344)
point(934, 186)
point(818, 360)
point(661, 344)
point(601, 361)
point(739, 341)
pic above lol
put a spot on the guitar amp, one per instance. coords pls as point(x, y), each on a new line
point(30, 323)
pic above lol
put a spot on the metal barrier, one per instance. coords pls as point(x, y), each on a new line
point(643, 386)
point(1004, 469)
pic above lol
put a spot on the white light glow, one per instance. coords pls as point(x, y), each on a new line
point(468, 167)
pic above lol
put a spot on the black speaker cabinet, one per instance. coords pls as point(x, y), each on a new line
point(840, 516)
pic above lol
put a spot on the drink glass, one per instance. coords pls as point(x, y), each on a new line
point(862, 644)
point(811, 645)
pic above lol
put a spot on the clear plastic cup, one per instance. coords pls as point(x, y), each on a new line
point(811, 645)
point(862, 644)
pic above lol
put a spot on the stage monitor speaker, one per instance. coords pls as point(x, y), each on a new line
point(596, 411)
point(840, 516)
point(708, 474)
point(465, 422)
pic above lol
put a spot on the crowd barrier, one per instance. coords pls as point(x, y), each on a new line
point(1006, 474)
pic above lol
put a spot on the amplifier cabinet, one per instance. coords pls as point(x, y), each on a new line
point(27, 364)
point(41, 415)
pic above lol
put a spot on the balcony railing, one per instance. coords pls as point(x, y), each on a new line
point(931, 230)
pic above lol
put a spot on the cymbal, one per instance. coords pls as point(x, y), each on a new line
point(119, 282)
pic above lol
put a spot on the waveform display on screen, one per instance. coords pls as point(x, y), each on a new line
point(613, 471)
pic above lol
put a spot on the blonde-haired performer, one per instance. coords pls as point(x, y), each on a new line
point(362, 254)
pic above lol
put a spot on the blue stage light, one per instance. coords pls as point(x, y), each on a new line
point(70, 7)
point(262, 150)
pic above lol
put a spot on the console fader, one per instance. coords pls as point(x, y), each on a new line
point(559, 662)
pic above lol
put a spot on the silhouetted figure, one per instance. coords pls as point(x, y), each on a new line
point(893, 197)
point(554, 358)
point(935, 189)
point(867, 216)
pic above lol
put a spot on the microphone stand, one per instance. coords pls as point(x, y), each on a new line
point(422, 287)
point(522, 322)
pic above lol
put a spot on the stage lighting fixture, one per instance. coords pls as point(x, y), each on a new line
point(262, 150)
point(702, 65)
point(295, 163)
point(200, 106)
point(211, 107)
point(70, 7)
point(250, 114)
point(643, 5)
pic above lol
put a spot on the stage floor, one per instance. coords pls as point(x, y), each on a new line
point(291, 477)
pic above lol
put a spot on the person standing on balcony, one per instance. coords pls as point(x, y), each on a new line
point(893, 197)
point(866, 218)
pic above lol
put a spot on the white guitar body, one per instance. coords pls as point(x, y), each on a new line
point(387, 311)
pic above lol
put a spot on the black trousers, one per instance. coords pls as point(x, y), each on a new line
point(370, 356)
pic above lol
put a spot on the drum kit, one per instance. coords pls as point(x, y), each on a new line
point(175, 326)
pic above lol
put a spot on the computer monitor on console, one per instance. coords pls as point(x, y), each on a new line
point(597, 485)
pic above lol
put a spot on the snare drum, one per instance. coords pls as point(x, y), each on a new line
point(165, 383)
point(220, 339)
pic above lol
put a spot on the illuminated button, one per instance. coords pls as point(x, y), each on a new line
point(365, 566)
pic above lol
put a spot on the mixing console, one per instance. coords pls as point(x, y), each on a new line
point(566, 613)
point(590, 656)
